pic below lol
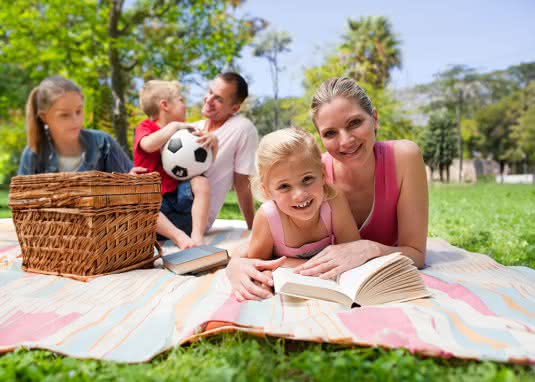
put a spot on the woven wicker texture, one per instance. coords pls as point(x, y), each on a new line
point(85, 224)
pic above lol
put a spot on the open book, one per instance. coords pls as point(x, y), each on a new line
point(196, 259)
point(391, 278)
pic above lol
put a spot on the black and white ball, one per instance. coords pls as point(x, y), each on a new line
point(183, 157)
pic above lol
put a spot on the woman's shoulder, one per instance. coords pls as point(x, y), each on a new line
point(406, 150)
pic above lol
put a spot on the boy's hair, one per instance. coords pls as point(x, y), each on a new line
point(153, 92)
point(242, 89)
point(41, 100)
point(279, 145)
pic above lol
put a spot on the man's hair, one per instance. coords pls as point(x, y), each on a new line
point(153, 92)
point(242, 89)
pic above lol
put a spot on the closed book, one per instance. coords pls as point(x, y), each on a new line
point(195, 260)
point(385, 279)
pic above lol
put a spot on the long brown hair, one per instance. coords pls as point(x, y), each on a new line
point(40, 100)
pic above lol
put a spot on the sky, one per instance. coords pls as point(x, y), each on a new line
point(486, 35)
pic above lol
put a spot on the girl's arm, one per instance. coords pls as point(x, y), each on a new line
point(261, 241)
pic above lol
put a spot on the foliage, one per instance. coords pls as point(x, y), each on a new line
point(439, 142)
point(260, 113)
point(108, 44)
point(495, 122)
point(269, 46)
point(370, 50)
point(11, 146)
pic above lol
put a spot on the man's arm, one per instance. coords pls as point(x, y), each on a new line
point(245, 197)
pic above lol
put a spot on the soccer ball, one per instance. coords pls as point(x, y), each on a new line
point(183, 157)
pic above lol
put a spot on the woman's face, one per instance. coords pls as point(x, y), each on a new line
point(65, 118)
point(347, 130)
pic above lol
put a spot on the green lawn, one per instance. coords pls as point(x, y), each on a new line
point(498, 220)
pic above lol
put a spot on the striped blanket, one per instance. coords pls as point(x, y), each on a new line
point(479, 310)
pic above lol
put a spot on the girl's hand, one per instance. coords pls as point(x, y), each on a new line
point(207, 141)
point(339, 258)
point(249, 279)
point(137, 170)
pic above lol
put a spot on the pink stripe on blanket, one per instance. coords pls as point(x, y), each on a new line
point(457, 292)
point(5, 249)
point(229, 311)
point(23, 327)
point(385, 326)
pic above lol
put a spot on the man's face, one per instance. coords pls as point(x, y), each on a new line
point(220, 102)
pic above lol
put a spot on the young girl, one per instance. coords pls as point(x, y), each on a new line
point(302, 214)
point(57, 142)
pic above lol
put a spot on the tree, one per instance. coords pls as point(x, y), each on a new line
point(439, 143)
point(107, 44)
point(495, 122)
point(260, 112)
point(370, 50)
point(269, 46)
point(457, 87)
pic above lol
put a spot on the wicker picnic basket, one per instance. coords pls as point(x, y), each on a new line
point(85, 224)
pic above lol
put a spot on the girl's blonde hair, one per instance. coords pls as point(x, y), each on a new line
point(40, 100)
point(340, 87)
point(277, 147)
point(153, 92)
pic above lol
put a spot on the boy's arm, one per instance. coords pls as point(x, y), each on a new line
point(153, 142)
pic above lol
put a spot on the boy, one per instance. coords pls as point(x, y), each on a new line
point(186, 203)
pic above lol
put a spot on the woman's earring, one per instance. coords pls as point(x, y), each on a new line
point(46, 126)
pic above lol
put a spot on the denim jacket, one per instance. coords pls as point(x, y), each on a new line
point(100, 152)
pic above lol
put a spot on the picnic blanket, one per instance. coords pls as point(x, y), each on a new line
point(479, 309)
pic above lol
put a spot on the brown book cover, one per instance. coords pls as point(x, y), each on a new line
point(195, 260)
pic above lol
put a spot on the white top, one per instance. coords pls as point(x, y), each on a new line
point(238, 140)
point(69, 163)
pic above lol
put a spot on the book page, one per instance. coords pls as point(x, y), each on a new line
point(282, 276)
point(351, 281)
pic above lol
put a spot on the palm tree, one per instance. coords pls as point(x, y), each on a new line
point(370, 50)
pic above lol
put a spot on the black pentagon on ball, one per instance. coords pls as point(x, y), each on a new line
point(200, 155)
point(190, 129)
point(174, 145)
point(180, 172)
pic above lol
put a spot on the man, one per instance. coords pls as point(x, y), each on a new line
point(238, 140)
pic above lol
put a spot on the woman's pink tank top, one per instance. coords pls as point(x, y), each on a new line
point(307, 250)
point(382, 224)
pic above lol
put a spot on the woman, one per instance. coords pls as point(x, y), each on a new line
point(384, 182)
point(58, 142)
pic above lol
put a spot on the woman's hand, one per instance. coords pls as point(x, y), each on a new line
point(137, 170)
point(339, 258)
point(251, 278)
point(207, 141)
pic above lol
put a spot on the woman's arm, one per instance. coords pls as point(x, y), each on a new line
point(412, 210)
point(345, 228)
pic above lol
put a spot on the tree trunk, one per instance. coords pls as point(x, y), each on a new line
point(118, 78)
point(441, 172)
point(447, 173)
point(459, 135)
point(502, 168)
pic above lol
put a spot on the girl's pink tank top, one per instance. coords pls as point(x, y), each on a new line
point(306, 250)
point(382, 224)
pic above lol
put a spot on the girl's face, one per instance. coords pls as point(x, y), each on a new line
point(347, 131)
point(65, 118)
point(296, 187)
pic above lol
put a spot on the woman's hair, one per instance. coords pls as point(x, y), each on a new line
point(340, 87)
point(277, 147)
point(153, 92)
point(40, 100)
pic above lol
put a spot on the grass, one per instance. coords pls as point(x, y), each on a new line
point(494, 219)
